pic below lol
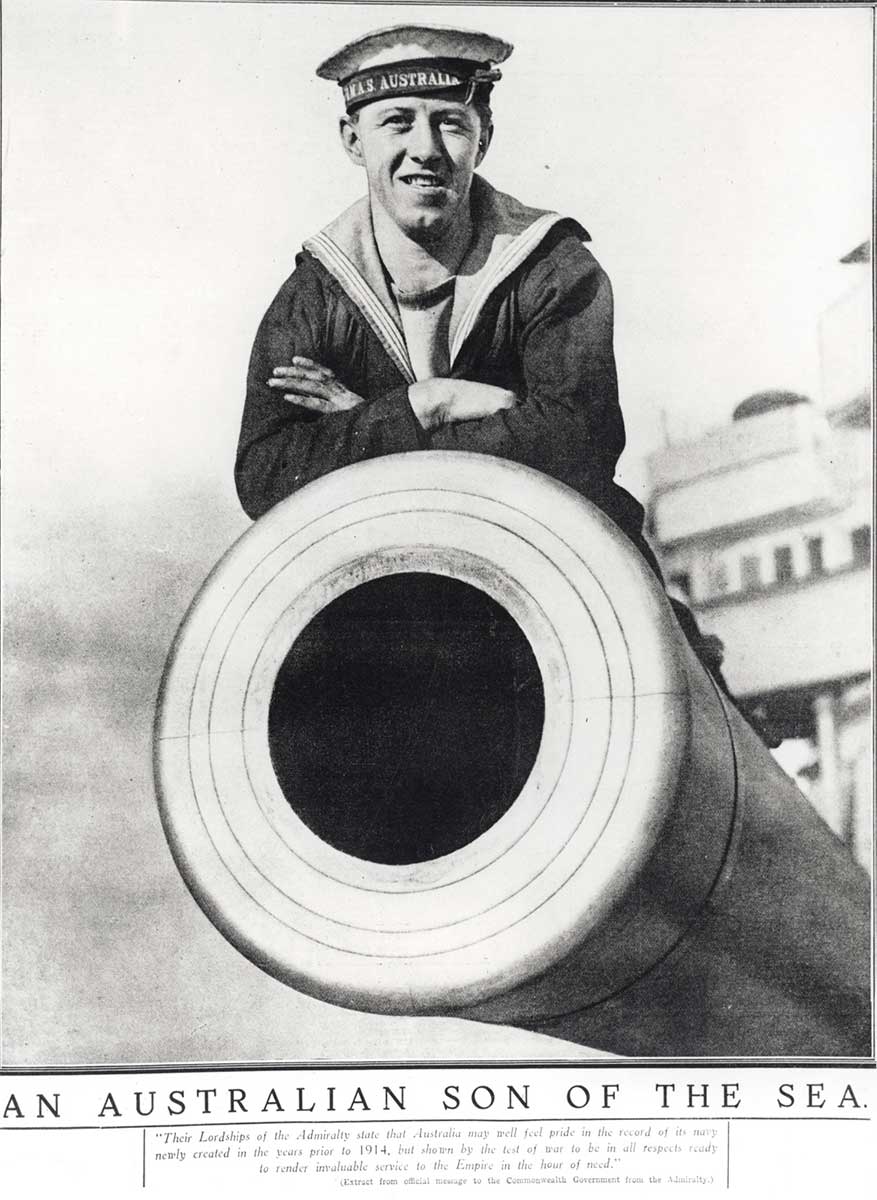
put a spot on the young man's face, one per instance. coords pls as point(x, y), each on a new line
point(419, 155)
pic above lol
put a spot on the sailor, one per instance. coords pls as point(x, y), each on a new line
point(437, 312)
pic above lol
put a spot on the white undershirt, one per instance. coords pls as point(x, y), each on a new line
point(426, 318)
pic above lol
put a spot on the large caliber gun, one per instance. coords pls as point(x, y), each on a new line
point(593, 844)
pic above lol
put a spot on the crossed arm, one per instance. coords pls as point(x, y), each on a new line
point(434, 402)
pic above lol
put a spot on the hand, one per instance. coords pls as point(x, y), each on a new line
point(439, 402)
point(314, 387)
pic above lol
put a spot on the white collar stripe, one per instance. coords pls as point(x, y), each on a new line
point(512, 257)
point(338, 264)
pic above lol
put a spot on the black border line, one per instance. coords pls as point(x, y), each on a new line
point(510, 1120)
point(609, 1063)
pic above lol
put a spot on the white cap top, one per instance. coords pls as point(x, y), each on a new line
point(405, 43)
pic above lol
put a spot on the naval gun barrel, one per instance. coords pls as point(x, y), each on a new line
point(629, 868)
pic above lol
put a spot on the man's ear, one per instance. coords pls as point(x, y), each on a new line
point(484, 144)
point(350, 139)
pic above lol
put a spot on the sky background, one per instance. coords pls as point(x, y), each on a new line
point(162, 164)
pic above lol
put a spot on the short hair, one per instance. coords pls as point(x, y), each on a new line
point(481, 104)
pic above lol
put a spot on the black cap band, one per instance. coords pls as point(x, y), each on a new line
point(416, 77)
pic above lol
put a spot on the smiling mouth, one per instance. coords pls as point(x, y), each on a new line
point(423, 182)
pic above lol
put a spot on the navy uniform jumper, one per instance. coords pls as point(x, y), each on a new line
point(532, 312)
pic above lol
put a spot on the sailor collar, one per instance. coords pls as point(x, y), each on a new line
point(506, 233)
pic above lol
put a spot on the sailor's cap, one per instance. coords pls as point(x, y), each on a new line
point(408, 60)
